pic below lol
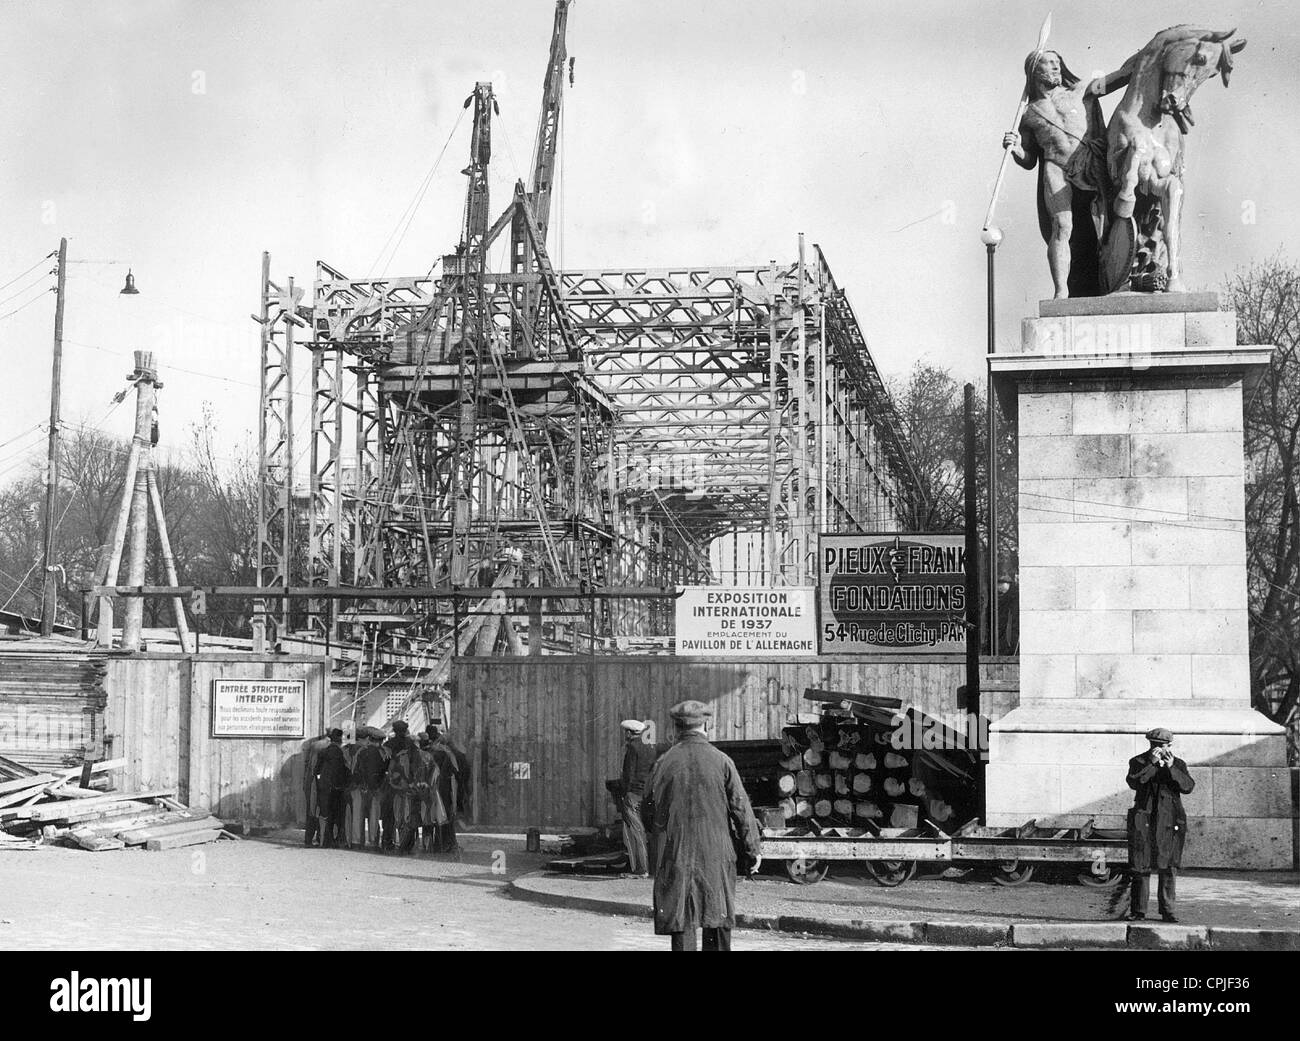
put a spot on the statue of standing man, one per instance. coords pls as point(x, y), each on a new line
point(1063, 133)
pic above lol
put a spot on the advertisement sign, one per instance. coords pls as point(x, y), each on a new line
point(892, 592)
point(746, 622)
point(259, 708)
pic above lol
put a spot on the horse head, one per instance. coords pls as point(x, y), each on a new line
point(1189, 57)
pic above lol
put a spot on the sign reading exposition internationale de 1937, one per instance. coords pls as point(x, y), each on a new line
point(743, 622)
point(892, 592)
point(259, 708)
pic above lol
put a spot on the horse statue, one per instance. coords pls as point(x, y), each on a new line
point(1144, 156)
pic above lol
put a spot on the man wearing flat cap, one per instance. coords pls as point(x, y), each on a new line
point(331, 784)
point(1157, 824)
point(638, 758)
point(700, 818)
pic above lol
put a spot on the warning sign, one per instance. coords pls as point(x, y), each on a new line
point(745, 622)
point(892, 592)
point(259, 708)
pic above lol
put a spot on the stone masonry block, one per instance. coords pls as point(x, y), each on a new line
point(1046, 675)
point(1189, 632)
point(1210, 328)
point(1213, 750)
point(1215, 408)
point(1047, 502)
point(1028, 790)
point(1044, 415)
point(1216, 498)
point(1249, 791)
point(1219, 677)
point(1131, 498)
point(1187, 455)
point(1155, 543)
point(1135, 676)
point(1130, 412)
point(1078, 632)
point(1129, 588)
point(1076, 455)
point(1047, 589)
point(1077, 543)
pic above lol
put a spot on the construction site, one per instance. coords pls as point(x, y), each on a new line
point(512, 471)
point(511, 459)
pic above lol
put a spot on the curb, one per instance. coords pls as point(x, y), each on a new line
point(1040, 936)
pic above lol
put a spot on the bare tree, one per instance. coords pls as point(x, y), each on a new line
point(1267, 300)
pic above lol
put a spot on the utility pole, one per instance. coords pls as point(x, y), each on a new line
point(991, 237)
point(49, 588)
point(145, 377)
point(973, 619)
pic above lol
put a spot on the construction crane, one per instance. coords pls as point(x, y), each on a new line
point(528, 296)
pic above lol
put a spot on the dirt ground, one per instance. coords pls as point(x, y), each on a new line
point(272, 894)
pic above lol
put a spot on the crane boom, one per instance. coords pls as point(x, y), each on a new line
point(529, 297)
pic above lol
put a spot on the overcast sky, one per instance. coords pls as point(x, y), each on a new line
point(184, 137)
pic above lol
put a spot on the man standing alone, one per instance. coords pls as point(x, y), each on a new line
point(700, 817)
point(638, 758)
point(1157, 824)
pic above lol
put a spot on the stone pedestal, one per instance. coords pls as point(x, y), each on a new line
point(1133, 574)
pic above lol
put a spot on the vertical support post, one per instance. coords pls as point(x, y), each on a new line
point(169, 561)
point(138, 523)
point(773, 488)
point(287, 491)
point(972, 587)
point(992, 464)
point(49, 588)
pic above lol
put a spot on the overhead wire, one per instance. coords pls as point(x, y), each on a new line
point(23, 274)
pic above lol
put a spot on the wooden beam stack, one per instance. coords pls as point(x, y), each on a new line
point(43, 807)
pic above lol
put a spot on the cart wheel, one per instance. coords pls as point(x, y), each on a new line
point(806, 872)
point(1109, 877)
point(1013, 873)
point(890, 873)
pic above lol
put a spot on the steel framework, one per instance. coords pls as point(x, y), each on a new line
point(604, 429)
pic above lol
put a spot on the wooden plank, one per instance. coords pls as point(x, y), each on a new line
point(24, 783)
point(193, 838)
point(139, 836)
point(67, 810)
point(16, 768)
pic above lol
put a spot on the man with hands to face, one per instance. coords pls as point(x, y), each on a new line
point(1157, 824)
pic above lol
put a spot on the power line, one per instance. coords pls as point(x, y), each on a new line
point(30, 269)
point(23, 307)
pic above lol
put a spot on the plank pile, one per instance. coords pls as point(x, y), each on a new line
point(53, 806)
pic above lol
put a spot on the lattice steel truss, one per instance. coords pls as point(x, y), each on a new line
point(658, 414)
point(611, 428)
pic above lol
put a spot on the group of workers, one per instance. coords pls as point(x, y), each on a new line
point(385, 792)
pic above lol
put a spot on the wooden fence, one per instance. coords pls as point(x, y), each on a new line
point(159, 718)
point(543, 733)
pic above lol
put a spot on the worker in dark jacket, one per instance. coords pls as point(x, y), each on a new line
point(699, 815)
point(453, 787)
point(366, 790)
point(331, 788)
point(311, 750)
point(1157, 824)
point(400, 741)
point(638, 758)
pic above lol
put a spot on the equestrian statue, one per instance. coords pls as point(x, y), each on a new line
point(1110, 195)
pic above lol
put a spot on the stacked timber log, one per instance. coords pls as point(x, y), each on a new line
point(849, 772)
point(60, 806)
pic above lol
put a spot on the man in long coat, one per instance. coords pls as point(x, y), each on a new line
point(1157, 824)
point(701, 819)
point(331, 787)
point(311, 750)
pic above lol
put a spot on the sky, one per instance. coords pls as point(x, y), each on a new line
point(182, 138)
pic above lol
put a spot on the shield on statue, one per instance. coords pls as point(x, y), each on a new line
point(1118, 251)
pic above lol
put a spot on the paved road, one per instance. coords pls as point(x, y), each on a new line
point(259, 894)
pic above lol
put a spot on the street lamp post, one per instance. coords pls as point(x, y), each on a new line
point(991, 237)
